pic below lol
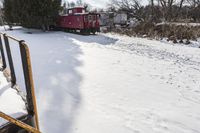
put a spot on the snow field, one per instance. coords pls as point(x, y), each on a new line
point(114, 84)
point(134, 93)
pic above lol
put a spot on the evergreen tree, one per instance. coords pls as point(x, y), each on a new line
point(8, 11)
point(32, 13)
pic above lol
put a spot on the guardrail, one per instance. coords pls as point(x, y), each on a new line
point(27, 73)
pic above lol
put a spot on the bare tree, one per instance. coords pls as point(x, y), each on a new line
point(167, 8)
point(79, 3)
point(193, 3)
point(131, 7)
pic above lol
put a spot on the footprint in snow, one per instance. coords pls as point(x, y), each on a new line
point(58, 61)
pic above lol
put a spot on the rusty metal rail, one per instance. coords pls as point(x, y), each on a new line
point(27, 71)
point(19, 123)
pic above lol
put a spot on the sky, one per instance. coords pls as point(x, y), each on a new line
point(95, 3)
point(102, 3)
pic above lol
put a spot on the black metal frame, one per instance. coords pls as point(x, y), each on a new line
point(25, 58)
point(2, 55)
point(10, 60)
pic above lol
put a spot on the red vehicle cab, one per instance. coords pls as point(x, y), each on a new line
point(78, 19)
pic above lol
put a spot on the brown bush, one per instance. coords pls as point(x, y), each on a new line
point(175, 33)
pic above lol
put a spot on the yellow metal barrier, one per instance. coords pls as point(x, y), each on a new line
point(32, 84)
point(19, 123)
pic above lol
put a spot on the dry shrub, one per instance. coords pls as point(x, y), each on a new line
point(175, 33)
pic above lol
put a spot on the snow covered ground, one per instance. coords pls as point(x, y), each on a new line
point(114, 84)
point(10, 101)
point(179, 23)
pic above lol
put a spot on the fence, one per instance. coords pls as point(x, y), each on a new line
point(27, 73)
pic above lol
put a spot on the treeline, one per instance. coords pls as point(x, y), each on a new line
point(31, 13)
point(36, 13)
point(176, 20)
point(159, 10)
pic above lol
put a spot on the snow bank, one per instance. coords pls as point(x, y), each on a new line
point(10, 101)
point(179, 23)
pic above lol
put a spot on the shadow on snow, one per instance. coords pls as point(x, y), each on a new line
point(57, 81)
